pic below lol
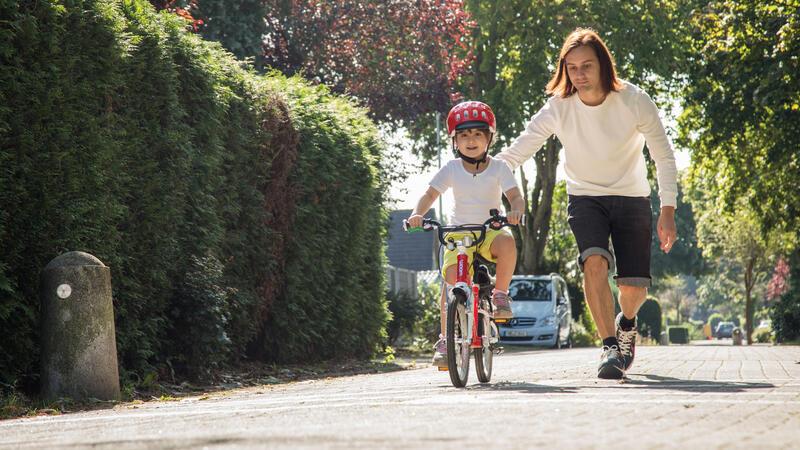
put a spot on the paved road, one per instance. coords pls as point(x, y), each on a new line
point(699, 396)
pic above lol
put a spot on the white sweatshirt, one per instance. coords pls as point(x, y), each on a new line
point(603, 144)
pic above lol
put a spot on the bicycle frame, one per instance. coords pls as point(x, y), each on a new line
point(463, 282)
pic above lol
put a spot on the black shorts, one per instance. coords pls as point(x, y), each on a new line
point(627, 220)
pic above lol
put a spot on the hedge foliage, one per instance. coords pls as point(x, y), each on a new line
point(678, 334)
point(649, 318)
point(240, 214)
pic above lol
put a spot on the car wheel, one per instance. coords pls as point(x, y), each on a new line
point(557, 344)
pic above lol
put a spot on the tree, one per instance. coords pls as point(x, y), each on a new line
point(401, 58)
point(685, 256)
point(674, 293)
point(719, 290)
point(742, 114)
point(734, 237)
point(560, 254)
point(516, 46)
point(742, 105)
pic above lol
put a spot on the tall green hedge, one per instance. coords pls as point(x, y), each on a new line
point(241, 215)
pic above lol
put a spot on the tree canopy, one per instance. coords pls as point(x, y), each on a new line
point(742, 106)
point(400, 58)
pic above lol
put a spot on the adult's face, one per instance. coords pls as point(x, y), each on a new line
point(583, 69)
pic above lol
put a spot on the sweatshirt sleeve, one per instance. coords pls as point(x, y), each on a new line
point(541, 126)
point(660, 148)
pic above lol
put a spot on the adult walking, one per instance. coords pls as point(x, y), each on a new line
point(603, 123)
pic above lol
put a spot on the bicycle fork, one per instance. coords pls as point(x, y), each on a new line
point(470, 292)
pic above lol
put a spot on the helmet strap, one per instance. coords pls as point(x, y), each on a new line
point(476, 161)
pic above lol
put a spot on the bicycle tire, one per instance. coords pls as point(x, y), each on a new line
point(483, 355)
point(457, 357)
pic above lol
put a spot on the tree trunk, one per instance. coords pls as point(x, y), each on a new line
point(748, 303)
point(539, 208)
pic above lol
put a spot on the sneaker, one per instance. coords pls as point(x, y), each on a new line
point(502, 305)
point(611, 364)
point(440, 354)
point(627, 342)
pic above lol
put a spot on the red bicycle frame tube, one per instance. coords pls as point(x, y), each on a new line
point(463, 276)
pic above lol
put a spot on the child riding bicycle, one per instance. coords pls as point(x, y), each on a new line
point(478, 181)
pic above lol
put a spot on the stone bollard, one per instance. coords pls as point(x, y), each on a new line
point(664, 338)
point(737, 336)
point(79, 349)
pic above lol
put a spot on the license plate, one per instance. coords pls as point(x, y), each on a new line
point(516, 333)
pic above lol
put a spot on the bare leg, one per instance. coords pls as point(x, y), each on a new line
point(504, 252)
point(598, 295)
point(631, 299)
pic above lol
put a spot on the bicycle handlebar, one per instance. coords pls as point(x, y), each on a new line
point(495, 222)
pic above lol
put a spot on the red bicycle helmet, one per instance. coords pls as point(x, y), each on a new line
point(468, 115)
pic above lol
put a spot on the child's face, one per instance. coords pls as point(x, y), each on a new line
point(472, 142)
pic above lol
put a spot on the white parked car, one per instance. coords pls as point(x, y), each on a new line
point(542, 312)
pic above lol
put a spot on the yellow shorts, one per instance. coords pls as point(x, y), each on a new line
point(451, 256)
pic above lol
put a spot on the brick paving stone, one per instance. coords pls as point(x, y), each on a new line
point(705, 395)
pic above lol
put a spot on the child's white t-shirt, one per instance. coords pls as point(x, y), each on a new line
point(474, 194)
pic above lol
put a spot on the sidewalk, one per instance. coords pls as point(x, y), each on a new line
point(711, 395)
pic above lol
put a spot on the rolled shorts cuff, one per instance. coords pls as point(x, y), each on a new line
point(633, 281)
point(596, 251)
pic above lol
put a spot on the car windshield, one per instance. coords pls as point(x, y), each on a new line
point(530, 290)
point(725, 326)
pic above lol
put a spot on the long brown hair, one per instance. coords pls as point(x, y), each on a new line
point(562, 86)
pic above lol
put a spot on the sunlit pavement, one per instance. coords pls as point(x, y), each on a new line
point(706, 395)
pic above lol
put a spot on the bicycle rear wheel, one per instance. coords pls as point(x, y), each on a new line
point(457, 347)
point(484, 355)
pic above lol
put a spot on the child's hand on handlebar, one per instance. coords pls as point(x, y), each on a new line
point(514, 217)
point(415, 221)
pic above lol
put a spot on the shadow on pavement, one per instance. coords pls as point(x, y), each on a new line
point(660, 382)
point(529, 388)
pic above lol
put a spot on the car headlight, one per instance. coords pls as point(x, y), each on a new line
point(549, 321)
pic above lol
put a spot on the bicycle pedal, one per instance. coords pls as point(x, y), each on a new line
point(498, 350)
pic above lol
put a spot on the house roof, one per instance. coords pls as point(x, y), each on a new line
point(413, 251)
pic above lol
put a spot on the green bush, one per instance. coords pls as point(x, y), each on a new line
point(406, 311)
point(678, 334)
point(580, 337)
point(762, 335)
point(241, 215)
point(428, 327)
point(785, 313)
point(649, 318)
point(584, 331)
point(199, 319)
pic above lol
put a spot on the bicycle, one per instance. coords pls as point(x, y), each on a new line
point(470, 326)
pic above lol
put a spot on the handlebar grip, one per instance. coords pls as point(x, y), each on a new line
point(425, 227)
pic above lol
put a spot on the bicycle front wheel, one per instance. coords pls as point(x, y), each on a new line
point(457, 347)
point(484, 355)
